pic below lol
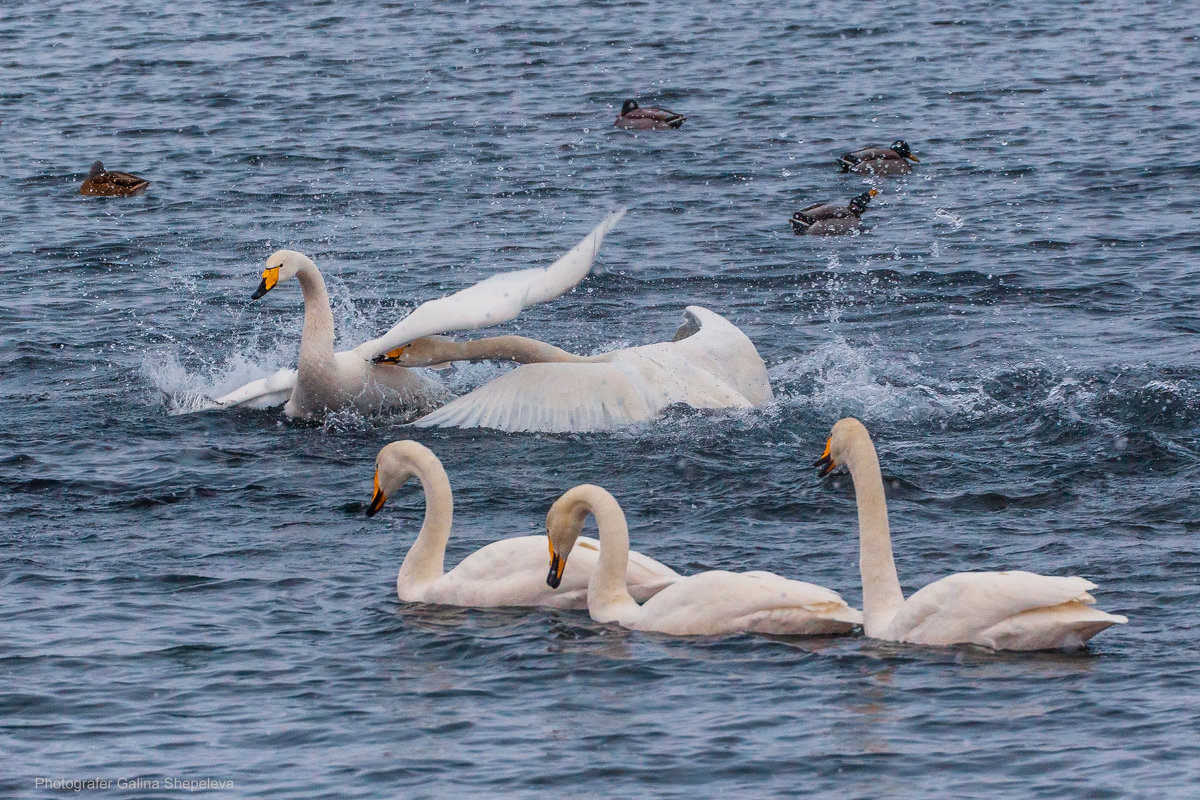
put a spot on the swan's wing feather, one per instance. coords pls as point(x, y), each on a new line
point(554, 397)
point(724, 602)
point(263, 393)
point(952, 609)
point(496, 299)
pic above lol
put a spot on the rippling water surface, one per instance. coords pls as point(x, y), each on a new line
point(200, 596)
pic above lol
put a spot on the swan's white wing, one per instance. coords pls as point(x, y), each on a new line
point(554, 398)
point(959, 606)
point(720, 602)
point(266, 392)
point(496, 299)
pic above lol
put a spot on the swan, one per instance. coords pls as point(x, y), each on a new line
point(710, 363)
point(326, 380)
point(508, 572)
point(707, 603)
point(1001, 610)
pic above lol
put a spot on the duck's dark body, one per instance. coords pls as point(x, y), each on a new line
point(827, 218)
point(893, 160)
point(634, 117)
point(101, 182)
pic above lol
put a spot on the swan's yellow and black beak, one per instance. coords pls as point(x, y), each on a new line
point(825, 462)
point(557, 565)
point(390, 357)
point(269, 279)
point(377, 499)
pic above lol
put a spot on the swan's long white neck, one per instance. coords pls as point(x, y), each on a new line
point(316, 342)
point(608, 594)
point(882, 596)
point(424, 562)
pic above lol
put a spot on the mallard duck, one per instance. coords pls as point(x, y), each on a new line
point(891, 160)
point(111, 184)
point(634, 117)
point(827, 218)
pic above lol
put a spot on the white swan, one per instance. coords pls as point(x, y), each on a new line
point(326, 380)
point(709, 364)
point(707, 603)
point(1000, 610)
point(508, 572)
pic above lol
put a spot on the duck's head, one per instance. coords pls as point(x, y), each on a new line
point(282, 264)
point(395, 466)
point(630, 105)
point(847, 434)
point(97, 169)
point(859, 203)
point(904, 151)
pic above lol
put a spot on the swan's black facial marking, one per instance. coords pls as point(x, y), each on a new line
point(377, 499)
point(826, 461)
point(391, 356)
point(557, 565)
point(270, 277)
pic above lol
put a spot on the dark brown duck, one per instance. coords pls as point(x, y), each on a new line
point(827, 218)
point(101, 182)
point(634, 117)
point(891, 160)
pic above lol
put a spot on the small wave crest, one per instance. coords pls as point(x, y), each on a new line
point(185, 391)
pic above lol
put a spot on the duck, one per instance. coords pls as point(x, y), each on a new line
point(709, 363)
point(326, 381)
point(102, 183)
point(635, 118)
point(507, 572)
point(892, 160)
point(712, 603)
point(1012, 610)
point(827, 218)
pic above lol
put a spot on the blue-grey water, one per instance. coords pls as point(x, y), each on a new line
point(201, 597)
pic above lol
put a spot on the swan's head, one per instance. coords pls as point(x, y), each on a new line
point(564, 523)
point(904, 151)
point(282, 264)
point(428, 351)
point(847, 435)
point(397, 464)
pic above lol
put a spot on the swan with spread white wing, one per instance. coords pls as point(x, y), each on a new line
point(1001, 610)
point(705, 604)
point(709, 364)
point(507, 572)
point(363, 378)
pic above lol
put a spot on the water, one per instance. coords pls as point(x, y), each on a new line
point(190, 597)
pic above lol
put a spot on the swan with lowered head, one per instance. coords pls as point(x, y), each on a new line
point(709, 364)
point(508, 572)
point(1001, 610)
point(708, 603)
point(327, 381)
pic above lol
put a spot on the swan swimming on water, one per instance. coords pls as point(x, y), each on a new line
point(1001, 610)
point(508, 572)
point(327, 381)
point(709, 364)
point(707, 603)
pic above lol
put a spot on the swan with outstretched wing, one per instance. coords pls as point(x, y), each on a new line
point(365, 378)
